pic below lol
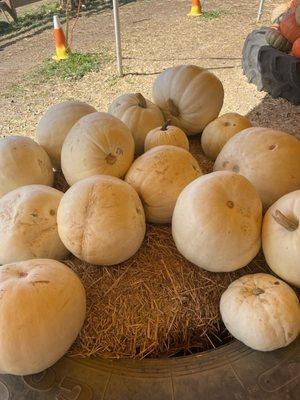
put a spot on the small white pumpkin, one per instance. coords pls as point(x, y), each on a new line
point(42, 310)
point(189, 96)
point(158, 176)
point(220, 130)
point(261, 311)
point(28, 225)
point(101, 220)
point(139, 115)
point(166, 134)
point(56, 123)
point(217, 222)
point(281, 237)
point(97, 144)
point(270, 159)
point(23, 162)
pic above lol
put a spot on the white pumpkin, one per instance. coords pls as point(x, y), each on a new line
point(281, 237)
point(28, 226)
point(139, 114)
point(270, 159)
point(56, 123)
point(261, 311)
point(189, 96)
point(158, 176)
point(97, 144)
point(217, 222)
point(166, 134)
point(23, 162)
point(42, 310)
point(101, 220)
point(220, 130)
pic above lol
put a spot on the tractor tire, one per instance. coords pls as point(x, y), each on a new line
point(232, 371)
point(270, 69)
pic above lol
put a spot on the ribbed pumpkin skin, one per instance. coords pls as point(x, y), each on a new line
point(189, 96)
point(289, 28)
point(275, 39)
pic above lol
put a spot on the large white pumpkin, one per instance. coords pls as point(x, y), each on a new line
point(28, 224)
point(281, 237)
point(97, 144)
point(220, 130)
point(261, 311)
point(159, 175)
point(101, 220)
point(42, 310)
point(189, 96)
point(23, 162)
point(217, 222)
point(56, 123)
point(139, 114)
point(270, 159)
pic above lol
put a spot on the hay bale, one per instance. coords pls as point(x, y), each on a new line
point(157, 303)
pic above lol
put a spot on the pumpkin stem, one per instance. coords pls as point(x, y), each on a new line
point(165, 125)
point(173, 108)
point(110, 159)
point(288, 223)
point(257, 291)
point(141, 100)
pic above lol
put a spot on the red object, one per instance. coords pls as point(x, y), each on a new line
point(289, 28)
point(196, 3)
point(296, 48)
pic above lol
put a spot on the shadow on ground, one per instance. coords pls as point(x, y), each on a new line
point(28, 26)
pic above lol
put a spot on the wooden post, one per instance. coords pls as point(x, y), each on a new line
point(118, 36)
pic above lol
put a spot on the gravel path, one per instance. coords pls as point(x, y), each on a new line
point(156, 34)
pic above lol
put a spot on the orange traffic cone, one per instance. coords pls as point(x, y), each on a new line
point(196, 8)
point(62, 51)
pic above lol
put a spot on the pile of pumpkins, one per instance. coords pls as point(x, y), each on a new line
point(284, 34)
point(130, 166)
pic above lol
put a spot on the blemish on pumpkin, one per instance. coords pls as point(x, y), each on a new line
point(34, 214)
point(119, 151)
point(230, 204)
point(110, 159)
point(236, 168)
point(225, 163)
point(273, 147)
point(227, 123)
point(37, 282)
point(276, 283)
point(52, 212)
point(22, 274)
point(138, 211)
point(257, 291)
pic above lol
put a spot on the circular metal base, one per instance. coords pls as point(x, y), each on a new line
point(230, 372)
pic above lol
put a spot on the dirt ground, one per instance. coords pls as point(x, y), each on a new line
point(156, 34)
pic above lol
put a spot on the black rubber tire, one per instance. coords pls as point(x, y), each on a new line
point(230, 372)
point(270, 69)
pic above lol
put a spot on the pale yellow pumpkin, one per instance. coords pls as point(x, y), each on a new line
point(56, 123)
point(216, 222)
point(28, 226)
point(219, 131)
point(97, 144)
point(158, 176)
point(166, 134)
point(270, 159)
point(42, 310)
point(189, 96)
point(281, 237)
point(139, 115)
point(261, 311)
point(23, 162)
point(101, 220)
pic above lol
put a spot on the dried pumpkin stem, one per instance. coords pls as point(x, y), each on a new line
point(288, 223)
point(110, 159)
point(165, 125)
point(173, 108)
point(257, 291)
point(141, 100)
